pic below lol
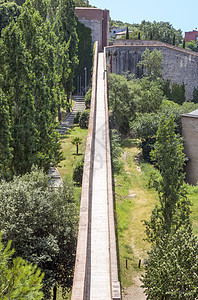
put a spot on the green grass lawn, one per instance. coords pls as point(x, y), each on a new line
point(133, 203)
point(67, 165)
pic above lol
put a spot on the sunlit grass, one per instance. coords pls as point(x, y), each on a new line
point(134, 203)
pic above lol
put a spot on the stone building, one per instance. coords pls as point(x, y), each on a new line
point(179, 65)
point(98, 21)
point(190, 135)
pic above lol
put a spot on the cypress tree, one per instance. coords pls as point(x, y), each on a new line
point(184, 44)
point(127, 33)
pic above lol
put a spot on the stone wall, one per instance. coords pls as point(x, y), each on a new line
point(190, 135)
point(98, 21)
point(179, 65)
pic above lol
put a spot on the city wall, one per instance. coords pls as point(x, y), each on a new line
point(179, 65)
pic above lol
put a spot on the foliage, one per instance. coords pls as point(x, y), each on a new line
point(161, 31)
point(150, 95)
point(169, 158)
point(84, 119)
point(88, 98)
point(172, 267)
point(42, 224)
point(152, 62)
point(38, 60)
point(18, 279)
point(195, 95)
point(9, 11)
point(5, 138)
point(77, 117)
point(116, 150)
point(78, 172)
point(76, 141)
point(127, 33)
point(192, 45)
point(121, 102)
point(79, 3)
point(84, 54)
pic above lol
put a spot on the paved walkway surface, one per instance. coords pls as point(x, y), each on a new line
point(99, 267)
point(69, 120)
point(56, 179)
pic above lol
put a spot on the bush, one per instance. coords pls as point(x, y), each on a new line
point(78, 172)
point(77, 117)
point(88, 98)
point(84, 119)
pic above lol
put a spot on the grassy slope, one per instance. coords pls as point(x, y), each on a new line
point(134, 202)
point(66, 166)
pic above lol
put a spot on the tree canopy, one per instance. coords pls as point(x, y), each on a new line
point(42, 224)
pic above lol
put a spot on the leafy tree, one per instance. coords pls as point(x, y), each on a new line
point(121, 101)
point(42, 225)
point(161, 31)
point(172, 267)
point(152, 62)
point(18, 279)
point(150, 96)
point(76, 141)
point(84, 119)
point(84, 53)
point(78, 172)
point(195, 95)
point(5, 138)
point(169, 158)
point(9, 11)
point(127, 33)
point(178, 93)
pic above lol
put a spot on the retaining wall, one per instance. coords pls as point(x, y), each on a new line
point(79, 291)
point(115, 284)
point(179, 65)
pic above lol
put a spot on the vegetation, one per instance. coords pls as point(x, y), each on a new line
point(38, 61)
point(76, 141)
point(42, 225)
point(14, 272)
point(78, 172)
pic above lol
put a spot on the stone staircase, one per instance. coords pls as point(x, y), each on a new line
point(69, 120)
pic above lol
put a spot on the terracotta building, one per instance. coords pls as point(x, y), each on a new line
point(191, 35)
point(98, 21)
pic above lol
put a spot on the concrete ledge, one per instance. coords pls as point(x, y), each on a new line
point(79, 291)
point(115, 284)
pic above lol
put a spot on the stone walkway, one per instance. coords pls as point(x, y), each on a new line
point(99, 248)
point(69, 120)
point(56, 179)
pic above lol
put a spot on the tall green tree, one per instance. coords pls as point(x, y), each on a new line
point(5, 138)
point(9, 11)
point(151, 61)
point(18, 279)
point(42, 224)
point(168, 157)
point(172, 267)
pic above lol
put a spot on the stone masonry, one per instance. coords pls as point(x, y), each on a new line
point(179, 65)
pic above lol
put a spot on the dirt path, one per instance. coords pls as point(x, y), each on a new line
point(134, 292)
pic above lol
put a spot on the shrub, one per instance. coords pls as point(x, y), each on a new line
point(77, 117)
point(78, 172)
point(88, 98)
point(84, 119)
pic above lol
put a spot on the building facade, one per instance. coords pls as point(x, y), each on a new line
point(98, 21)
point(190, 135)
point(191, 35)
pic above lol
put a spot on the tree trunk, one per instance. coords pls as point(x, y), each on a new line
point(59, 114)
point(77, 149)
point(54, 292)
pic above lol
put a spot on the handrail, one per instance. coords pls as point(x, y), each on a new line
point(79, 289)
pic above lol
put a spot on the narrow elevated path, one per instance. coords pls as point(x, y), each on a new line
point(99, 242)
point(96, 272)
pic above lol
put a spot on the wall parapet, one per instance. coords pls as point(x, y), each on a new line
point(115, 284)
point(79, 290)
